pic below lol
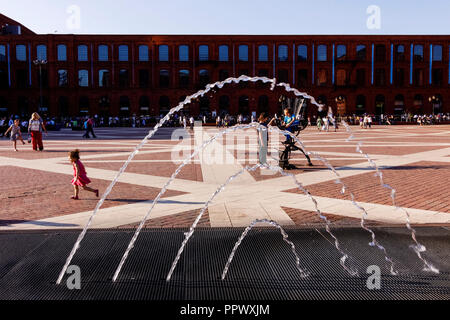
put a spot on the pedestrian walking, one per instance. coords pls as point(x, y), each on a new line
point(15, 133)
point(35, 128)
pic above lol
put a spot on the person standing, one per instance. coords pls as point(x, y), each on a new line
point(35, 128)
point(191, 122)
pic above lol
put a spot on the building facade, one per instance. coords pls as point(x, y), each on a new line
point(123, 75)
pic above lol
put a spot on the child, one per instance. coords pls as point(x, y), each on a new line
point(80, 178)
point(15, 133)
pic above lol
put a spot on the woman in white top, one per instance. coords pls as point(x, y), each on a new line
point(35, 127)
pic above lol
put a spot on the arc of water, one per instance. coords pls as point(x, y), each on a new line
point(344, 257)
point(345, 188)
point(303, 273)
point(180, 106)
point(418, 247)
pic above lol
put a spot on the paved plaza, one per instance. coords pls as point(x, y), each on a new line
point(35, 188)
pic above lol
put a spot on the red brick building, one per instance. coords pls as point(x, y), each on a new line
point(148, 74)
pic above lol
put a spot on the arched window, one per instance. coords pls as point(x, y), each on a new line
point(104, 79)
point(263, 53)
point(322, 53)
point(83, 78)
point(322, 77)
point(400, 53)
point(243, 52)
point(83, 105)
point(41, 52)
point(61, 52)
point(203, 77)
point(283, 76)
point(143, 53)
point(302, 53)
point(164, 79)
point(223, 74)
point(21, 52)
point(164, 104)
point(203, 53)
point(183, 53)
point(124, 78)
point(399, 104)
point(104, 106)
point(263, 104)
point(418, 52)
point(341, 52)
point(82, 53)
point(163, 53)
point(437, 53)
point(283, 52)
point(379, 105)
point(144, 104)
point(224, 104)
point(183, 78)
point(203, 103)
point(243, 105)
point(361, 52)
point(63, 106)
point(360, 105)
point(123, 52)
point(103, 53)
point(124, 106)
point(63, 78)
point(223, 53)
point(341, 77)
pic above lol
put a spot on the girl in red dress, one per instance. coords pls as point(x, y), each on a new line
point(80, 178)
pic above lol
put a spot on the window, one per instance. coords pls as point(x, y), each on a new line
point(379, 104)
point(302, 78)
point(224, 104)
point(243, 52)
point(144, 78)
point(418, 77)
point(21, 52)
point(380, 53)
point(104, 78)
point(203, 53)
point(322, 53)
point(183, 78)
point(400, 53)
point(341, 77)
point(418, 53)
point(263, 104)
point(322, 77)
point(341, 52)
point(83, 104)
point(83, 78)
point(163, 52)
point(21, 78)
point(263, 53)
point(283, 53)
point(124, 79)
point(124, 106)
point(399, 79)
point(437, 77)
point(63, 79)
point(62, 52)
point(183, 53)
point(123, 53)
point(360, 104)
point(164, 80)
point(437, 53)
point(223, 53)
point(361, 52)
point(2, 53)
point(82, 53)
point(41, 52)
point(103, 53)
point(203, 77)
point(164, 104)
point(360, 77)
point(283, 76)
point(302, 52)
point(223, 74)
point(380, 77)
point(143, 53)
point(144, 104)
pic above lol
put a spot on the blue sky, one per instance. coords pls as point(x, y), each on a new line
point(231, 16)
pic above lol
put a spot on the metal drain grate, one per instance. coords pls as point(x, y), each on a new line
point(263, 267)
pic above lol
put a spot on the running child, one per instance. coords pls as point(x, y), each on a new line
point(15, 133)
point(80, 178)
